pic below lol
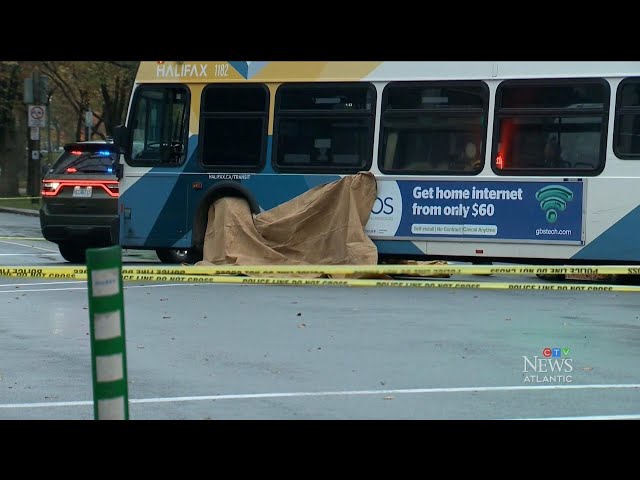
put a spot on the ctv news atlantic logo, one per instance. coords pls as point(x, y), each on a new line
point(554, 366)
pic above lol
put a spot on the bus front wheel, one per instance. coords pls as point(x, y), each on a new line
point(172, 255)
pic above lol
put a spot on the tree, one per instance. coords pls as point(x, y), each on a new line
point(102, 87)
point(12, 127)
point(74, 87)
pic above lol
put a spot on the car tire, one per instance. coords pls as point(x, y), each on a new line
point(173, 256)
point(73, 252)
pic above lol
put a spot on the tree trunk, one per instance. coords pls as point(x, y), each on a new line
point(10, 156)
point(79, 129)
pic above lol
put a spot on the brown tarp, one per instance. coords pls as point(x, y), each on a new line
point(323, 226)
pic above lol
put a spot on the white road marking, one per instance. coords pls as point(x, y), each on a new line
point(592, 417)
point(344, 393)
point(41, 283)
point(30, 246)
point(25, 254)
point(42, 289)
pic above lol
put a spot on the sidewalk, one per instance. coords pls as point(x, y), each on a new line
point(20, 211)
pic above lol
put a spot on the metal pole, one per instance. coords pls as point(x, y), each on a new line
point(49, 127)
point(34, 161)
point(106, 325)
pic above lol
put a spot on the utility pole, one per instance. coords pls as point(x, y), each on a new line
point(88, 123)
point(49, 115)
point(33, 172)
point(35, 93)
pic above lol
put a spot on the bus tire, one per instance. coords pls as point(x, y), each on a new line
point(173, 255)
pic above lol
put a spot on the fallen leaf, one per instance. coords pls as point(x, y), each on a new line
point(390, 397)
point(299, 314)
point(84, 308)
point(302, 325)
point(587, 369)
point(508, 319)
point(140, 346)
point(166, 317)
point(162, 299)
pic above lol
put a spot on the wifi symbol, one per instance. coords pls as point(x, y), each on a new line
point(553, 198)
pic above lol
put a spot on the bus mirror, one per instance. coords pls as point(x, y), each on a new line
point(119, 170)
point(121, 138)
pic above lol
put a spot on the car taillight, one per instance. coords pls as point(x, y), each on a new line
point(53, 188)
point(50, 189)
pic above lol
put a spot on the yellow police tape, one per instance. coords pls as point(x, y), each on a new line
point(357, 282)
point(421, 270)
point(215, 274)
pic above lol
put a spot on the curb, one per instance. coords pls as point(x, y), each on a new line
point(21, 211)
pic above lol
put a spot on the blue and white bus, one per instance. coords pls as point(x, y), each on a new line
point(475, 161)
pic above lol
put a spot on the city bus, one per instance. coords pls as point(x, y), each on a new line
point(526, 162)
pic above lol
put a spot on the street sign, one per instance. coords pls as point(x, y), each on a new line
point(35, 155)
point(37, 114)
point(35, 133)
point(88, 118)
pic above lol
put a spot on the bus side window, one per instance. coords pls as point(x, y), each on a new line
point(552, 153)
point(390, 149)
point(470, 157)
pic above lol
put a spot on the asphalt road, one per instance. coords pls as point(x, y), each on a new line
point(272, 352)
point(17, 246)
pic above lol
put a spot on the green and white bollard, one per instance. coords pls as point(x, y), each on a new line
point(106, 325)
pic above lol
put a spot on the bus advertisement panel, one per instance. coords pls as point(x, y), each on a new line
point(516, 211)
